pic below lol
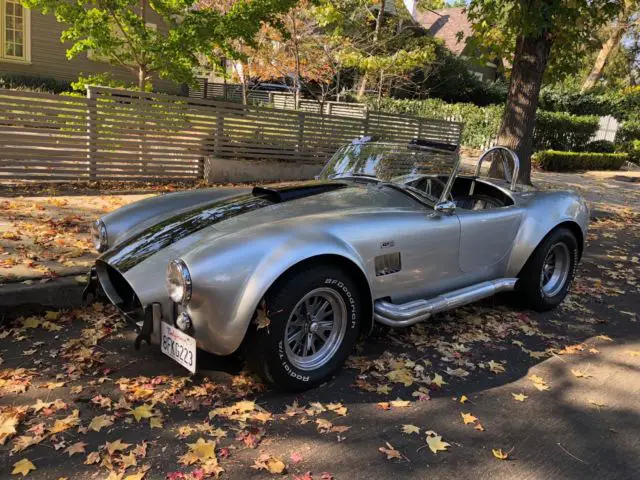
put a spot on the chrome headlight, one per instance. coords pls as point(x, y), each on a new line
point(179, 282)
point(99, 235)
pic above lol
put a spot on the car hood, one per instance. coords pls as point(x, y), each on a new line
point(143, 258)
point(205, 222)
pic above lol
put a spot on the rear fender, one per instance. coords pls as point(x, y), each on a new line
point(544, 213)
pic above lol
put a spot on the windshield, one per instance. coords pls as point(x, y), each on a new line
point(400, 164)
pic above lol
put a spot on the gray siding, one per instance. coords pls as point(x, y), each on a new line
point(48, 57)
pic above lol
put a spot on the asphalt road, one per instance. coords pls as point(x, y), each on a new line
point(585, 423)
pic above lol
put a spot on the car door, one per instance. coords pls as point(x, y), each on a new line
point(486, 239)
point(427, 244)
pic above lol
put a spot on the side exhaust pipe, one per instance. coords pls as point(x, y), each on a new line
point(410, 313)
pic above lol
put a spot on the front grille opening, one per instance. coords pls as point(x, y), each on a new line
point(118, 290)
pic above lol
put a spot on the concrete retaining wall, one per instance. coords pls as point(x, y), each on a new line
point(220, 171)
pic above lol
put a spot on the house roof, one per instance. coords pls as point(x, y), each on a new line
point(445, 25)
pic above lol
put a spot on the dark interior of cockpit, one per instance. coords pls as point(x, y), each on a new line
point(468, 193)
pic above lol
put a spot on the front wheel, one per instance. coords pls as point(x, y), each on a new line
point(314, 322)
point(549, 272)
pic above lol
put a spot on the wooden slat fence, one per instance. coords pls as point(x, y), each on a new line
point(124, 135)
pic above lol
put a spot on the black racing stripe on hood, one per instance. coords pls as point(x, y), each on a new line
point(138, 248)
point(288, 193)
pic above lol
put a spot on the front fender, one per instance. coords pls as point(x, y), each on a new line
point(545, 211)
point(231, 277)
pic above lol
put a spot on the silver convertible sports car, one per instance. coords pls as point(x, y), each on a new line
point(293, 275)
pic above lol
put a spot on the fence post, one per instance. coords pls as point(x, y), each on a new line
point(329, 108)
point(217, 141)
point(300, 131)
point(92, 132)
point(365, 122)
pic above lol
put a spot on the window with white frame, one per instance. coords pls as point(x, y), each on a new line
point(15, 23)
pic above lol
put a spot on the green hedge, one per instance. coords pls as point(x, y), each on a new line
point(558, 131)
point(600, 146)
point(556, 161)
point(480, 123)
point(628, 132)
point(618, 103)
point(33, 83)
point(563, 131)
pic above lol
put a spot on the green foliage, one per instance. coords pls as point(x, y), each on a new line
point(628, 132)
point(617, 103)
point(571, 26)
point(628, 139)
point(103, 79)
point(386, 53)
point(118, 32)
point(553, 130)
point(634, 152)
point(480, 123)
point(600, 146)
point(33, 83)
point(451, 80)
point(563, 131)
point(556, 161)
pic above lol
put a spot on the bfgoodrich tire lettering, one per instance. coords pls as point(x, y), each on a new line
point(548, 274)
point(318, 297)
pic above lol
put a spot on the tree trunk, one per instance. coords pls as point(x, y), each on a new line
point(362, 88)
point(518, 122)
point(601, 60)
point(142, 79)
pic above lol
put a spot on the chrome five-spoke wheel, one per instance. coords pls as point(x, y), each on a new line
point(315, 329)
point(555, 269)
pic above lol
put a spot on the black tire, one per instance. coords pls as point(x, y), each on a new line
point(265, 349)
point(534, 292)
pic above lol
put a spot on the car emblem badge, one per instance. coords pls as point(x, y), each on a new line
point(387, 244)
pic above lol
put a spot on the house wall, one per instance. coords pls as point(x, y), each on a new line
point(489, 72)
point(48, 57)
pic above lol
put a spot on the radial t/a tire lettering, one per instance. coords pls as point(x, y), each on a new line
point(314, 322)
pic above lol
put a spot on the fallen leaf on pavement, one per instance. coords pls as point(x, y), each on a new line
point(77, 447)
point(495, 367)
point(93, 457)
point(399, 403)
point(390, 452)
point(435, 443)
point(468, 418)
point(23, 467)
point(142, 411)
point(499, 454)
point(580, 373)
point(539, 383)
point(410, 429)
point(117, 446)
point(437, 380)
point(99, 422)
point(269, 463)
point(519, 397)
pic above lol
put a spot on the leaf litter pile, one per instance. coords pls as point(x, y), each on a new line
point(76, 401)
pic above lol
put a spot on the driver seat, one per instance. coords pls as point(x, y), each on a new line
point(477, 202)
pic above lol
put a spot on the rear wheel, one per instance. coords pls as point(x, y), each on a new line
point(314, 322)
point(549, 272)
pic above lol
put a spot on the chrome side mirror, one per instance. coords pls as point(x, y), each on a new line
point(447, 207)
